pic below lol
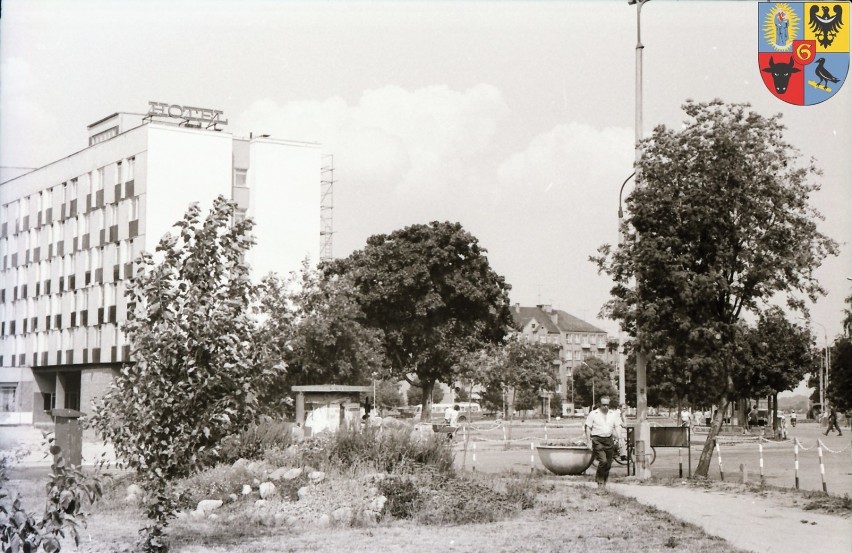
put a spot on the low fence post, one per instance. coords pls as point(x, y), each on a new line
point(760, 446)
point(796, 456)
point(532, 457)
point(719, 454)
point(821, 466)
point(473, 460)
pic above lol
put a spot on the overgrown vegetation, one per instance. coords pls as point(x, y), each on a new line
point(69, 491)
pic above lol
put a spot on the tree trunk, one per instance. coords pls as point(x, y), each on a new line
point(715, 426)
point(775, 413)
point(426, 400)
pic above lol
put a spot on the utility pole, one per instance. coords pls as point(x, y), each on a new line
point(643, 439)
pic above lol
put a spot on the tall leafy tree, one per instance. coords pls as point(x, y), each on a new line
point(314, 325)
point(432, 293)
point(780, 356)
point(196, 376)
point(839, 388)
point(519, 368)
point(719, 223)
point(592, 379)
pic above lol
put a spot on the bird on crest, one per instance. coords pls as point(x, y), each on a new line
point(824, 75)
point(825, 26)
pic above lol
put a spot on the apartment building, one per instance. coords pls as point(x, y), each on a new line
point(70, 231)
point(577, 341)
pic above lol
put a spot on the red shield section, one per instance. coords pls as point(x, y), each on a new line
point(783, 77)
point(804, 51)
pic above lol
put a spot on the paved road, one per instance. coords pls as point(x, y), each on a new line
point(749, 522)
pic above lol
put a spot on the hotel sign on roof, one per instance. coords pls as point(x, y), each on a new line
point(190, 116)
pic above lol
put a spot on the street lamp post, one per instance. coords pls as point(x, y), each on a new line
point(823, 382)
point(620, 357)
point(644, 430)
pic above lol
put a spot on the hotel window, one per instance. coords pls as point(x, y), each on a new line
point(119, 172)
point(7, 398)
point(73, 189)
point(240, 177)
point(131, 168)
point(48, 199)
point(134, 209)
point(99, 180)
point(40, 203)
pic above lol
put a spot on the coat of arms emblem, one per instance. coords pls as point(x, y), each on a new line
point(803, 49)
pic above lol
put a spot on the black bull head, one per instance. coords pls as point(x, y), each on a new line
point(781, 74)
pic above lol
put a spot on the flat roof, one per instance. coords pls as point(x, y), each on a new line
point(331, 388)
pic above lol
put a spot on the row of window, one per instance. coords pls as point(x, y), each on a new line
point(586, 340)
point(114, 354)
point(61, 310)
point(103, 264)
point(97, 227)
point(41, 348)
point(40, 207)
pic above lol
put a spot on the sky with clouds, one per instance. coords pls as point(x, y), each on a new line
point(514, 118)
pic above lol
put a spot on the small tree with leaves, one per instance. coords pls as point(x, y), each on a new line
point(719, 224)
point(196, 376)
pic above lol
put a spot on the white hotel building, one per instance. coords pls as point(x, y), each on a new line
point(69, 232)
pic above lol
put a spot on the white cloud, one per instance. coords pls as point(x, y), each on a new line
point(24, 121)
point(396, 140)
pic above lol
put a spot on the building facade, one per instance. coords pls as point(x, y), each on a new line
point(577, 341)
point(69, 232)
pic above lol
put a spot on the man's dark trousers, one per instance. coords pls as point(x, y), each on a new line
point(604, 450)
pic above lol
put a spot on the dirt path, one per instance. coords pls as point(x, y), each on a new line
point(760, 524)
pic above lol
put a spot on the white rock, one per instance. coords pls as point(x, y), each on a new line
point(260, 503)
point(134, 489)
point(323, 521)
point(343, 515)
point(132, 499)
point(317, 476)
point(233, 497)
point(246, 489)
point(369, 517)
point(378, 503)
point(278, 473)
point(303, 492)
point(253, 466)
point(291, 521)
point(267, 489)
point(292, 474)
point(208, 505)
point(280, 518)
point(240, 463)
point(255, 483)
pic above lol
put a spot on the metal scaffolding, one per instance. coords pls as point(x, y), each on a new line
point(327, 207)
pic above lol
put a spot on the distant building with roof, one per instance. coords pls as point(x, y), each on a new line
point(577, 341)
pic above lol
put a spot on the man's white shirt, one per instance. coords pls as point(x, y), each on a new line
point(603, 425)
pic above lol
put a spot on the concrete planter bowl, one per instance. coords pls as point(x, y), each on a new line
point(565, 459)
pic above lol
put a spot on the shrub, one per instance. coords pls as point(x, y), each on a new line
point(256, 439)
point(463, 501)
point(388, 451)
point(68, 489)
point(403, 496)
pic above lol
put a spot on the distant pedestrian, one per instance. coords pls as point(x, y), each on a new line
point(451, 415)
point(832, 423)
point(602, 429)
point(684, 417)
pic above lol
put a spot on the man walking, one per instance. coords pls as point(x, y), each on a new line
point(602, 428)
point(832, 423)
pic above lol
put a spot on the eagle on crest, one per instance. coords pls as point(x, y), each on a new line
point(826, 26)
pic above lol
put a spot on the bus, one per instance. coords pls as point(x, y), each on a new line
point(468, 411)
